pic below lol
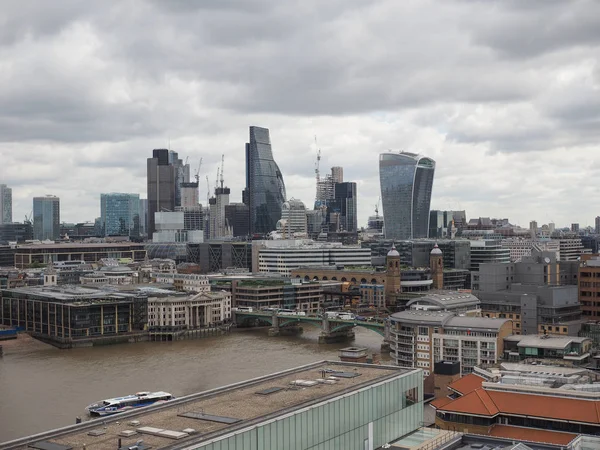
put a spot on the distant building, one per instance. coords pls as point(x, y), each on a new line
point(15, 232)
point(597, 225)
point(406, 183)
point(488, 251)
point(539, 294)
point(345, 203)
point(42, 254)
point(523, 247)
point(293, 218)
point(589, 271)
point(91, 313)
point(575, 227)
point(258, 294)
point(46, 218)
point(442, 223)
point(186, 282)
point(166, 174)
point(170, 228)
point(571, 349)
point(143, 217)
point(415, 253)
point(120, 214)
point(172, 311)
point(218, 256)
point(264, 183)
point(5, 204)
point(571, 249)
point(422, 338)
point(281, 256)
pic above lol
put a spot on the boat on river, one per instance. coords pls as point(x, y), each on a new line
point(127, 403)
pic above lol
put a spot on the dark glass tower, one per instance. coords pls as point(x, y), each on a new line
point(264, 183)
point(406, 181)
point(345, 200)
point(162, 179)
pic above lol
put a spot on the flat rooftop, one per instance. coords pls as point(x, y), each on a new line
point(217, 412)
point(73, 293)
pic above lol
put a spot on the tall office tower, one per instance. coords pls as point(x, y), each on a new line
point(143, 217)
point(597, 227)
point(293, 218)
point(533, 229)
point(182, 175)
point(46, 218)
point(575, 228)
point(406, 182)
point(264, 182)
point(162, 178)
point(120, 214)
point(337, 174)
point(5, 204)
point(345, 200)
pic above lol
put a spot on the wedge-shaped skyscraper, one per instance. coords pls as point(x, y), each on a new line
point(265, 190)
point(406, 181)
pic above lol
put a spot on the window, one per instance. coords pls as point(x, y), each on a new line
point(411, 396)
point(423, 331)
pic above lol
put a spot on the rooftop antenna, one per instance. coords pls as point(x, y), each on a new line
point(222, 165)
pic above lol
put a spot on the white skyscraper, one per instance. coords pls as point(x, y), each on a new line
point(5, 204)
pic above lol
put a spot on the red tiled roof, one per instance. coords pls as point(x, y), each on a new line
point(489, 403)
point(439, 402)
point(532, 435)
point(466, 384)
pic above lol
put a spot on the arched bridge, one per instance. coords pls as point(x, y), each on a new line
point(332, 329)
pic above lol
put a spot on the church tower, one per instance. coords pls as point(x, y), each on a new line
point(436, 264)
point(392, 279)
point(50, 275)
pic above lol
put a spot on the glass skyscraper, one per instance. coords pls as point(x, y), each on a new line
point(265, 189)
point(120, 214)
point(46, 218)
point(406, 182)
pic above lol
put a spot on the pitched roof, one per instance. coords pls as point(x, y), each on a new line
point(532, 435)
point(440, 402)
point(489, 403)
point(466, 384)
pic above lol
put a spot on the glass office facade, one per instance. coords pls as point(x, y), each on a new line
point(120, 214)
point(406, 182)
point(264, 182)
point(46, 218)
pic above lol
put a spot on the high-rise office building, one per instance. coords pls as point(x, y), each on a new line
point(345, 201)
point(264, 183)
point(5, 204)
point(597, 225)
point(120, 214)
point(161, 178)
point(326, 186)
point(406, 182)
point(293, 218)
point(143, 217)
point(46, 218)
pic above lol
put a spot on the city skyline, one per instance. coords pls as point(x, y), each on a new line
point(497, 113)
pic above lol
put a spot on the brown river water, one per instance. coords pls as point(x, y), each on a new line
point(42, 388)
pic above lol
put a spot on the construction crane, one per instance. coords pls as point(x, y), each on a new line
point(197, 175)
point(217, 180)
point(207, 190)
point(377, 208)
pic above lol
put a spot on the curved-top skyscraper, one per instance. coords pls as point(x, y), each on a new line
point(406, 181)
point(265, 189)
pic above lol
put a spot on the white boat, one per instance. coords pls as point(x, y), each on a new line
point(128, 402)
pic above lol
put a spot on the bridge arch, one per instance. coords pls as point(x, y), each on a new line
point(344, 279)
point(306, 278)
point(333, 278)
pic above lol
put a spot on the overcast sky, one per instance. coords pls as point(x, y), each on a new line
point(504, 95)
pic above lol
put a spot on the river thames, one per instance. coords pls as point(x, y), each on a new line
point(42, 387)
